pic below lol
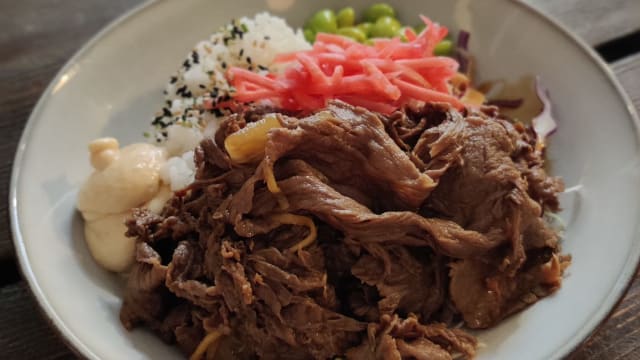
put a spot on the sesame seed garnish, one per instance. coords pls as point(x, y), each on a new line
point(181, 90)
point(173, 79)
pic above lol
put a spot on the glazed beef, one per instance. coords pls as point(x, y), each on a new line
point(420, 219)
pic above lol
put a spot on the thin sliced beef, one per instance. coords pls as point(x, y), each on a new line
point(398, 227)
point(405, 283)
point(397, 338)
point(351, 147)
point(484, 295)
point(422, 218)
point(486, 192)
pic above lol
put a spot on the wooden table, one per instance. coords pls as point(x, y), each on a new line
point(38, 36)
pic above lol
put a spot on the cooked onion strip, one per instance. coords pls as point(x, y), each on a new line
point(208, 342)
point(270, 179)
point(247, 145)
point(470, 96)
point(473, 97)
point(292, 219)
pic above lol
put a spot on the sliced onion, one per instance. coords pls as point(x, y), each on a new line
point(543, 124)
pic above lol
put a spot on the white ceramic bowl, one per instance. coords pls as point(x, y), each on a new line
point(113, 85)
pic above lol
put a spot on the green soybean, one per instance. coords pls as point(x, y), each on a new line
point(385, 26)
point(376, 11)
point(365, 27)
point(444, 47)
point(353, 32)
point(309, 35)
point(346, 17)
point(401, 32)
point(323, 21)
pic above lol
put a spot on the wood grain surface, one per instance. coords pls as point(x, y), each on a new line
point(596, 21)
point(38, 36)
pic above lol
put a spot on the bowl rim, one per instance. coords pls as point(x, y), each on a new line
point(630, 268)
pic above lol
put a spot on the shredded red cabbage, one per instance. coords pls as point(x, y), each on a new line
point(462, 52)
point(463, 40)
point(506, 103)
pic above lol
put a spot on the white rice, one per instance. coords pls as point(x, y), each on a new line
point(179, 171)
point(250, 43)
point(247, 43)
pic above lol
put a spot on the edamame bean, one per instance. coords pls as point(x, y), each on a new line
point(376, 11)
point(353, 32)
point(323, 21)
point(385, 26)
point(365, 27)
point(444, 47)
point(346, 17)
point(309, 35)
point(401, 33)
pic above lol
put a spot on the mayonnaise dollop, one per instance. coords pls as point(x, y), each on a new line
point(122, 180)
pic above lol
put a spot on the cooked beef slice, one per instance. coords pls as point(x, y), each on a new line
point(423, 218)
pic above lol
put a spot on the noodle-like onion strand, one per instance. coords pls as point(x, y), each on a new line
point(270, 179)
point(299, 220)
point(210, 340)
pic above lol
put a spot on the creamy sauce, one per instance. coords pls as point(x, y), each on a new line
point(123, 179)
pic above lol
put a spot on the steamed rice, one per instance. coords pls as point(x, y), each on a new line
point(250, 43)
point(247, 43)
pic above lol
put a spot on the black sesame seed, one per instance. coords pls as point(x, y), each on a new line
point(202, 86)
point(173, 79)
point(166, 112)
point(249, 60)
point(186, 64)
point(195, 57)
point(267, 37)
point(164, 92)
point(241, 52)
point(262, 67)
point(224, 65)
